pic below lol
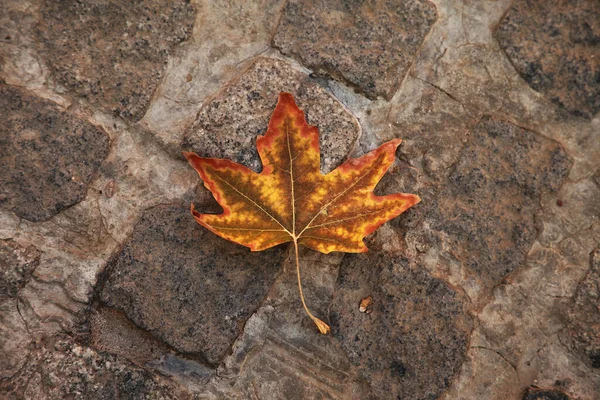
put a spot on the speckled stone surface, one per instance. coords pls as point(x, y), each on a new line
point(534, 393)
point(187, 286)
point(487, 289)
point(584, 315)
point(112, 53)
point(479, 211)
point(369, 45)
point(228, 125)
point(414, 341)
point(17, 263)
point(488, 206)
point(48, 156)
point(59, 368)
point(555, 47)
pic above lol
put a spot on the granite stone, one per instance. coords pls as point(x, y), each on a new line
point(112, 53)
point(369, 45)
point(227, 126)
point(190, 288)
point(555, 47)
point(414, 341)
point(48, 156)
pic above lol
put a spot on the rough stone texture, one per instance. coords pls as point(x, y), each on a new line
point(112, 53)
point(16, 266)
point(14, 339)
point(186, 285)
point(510, 181)
point(481, 196)
point(414, 341)
point(555, 47)
point(369, 45)
point(584, 315)
point(223, 42)
point(111, 331)
point(487, 207)
point(534, 393)
point(48, 156)
point(58, 368)
point(280, 355)
point(227, 126)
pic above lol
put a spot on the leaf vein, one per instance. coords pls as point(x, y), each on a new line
point(253, 202)
point(338, 196)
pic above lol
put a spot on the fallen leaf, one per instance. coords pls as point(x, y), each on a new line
point(290, 200)
point(365, 305)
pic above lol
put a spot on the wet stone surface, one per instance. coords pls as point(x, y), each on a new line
point(555, 47)
point(190, 288)
point(227, 126)
point(112, 53)
point(414, 341)
point(17, 263)
point(369, 45)
point(48, 156)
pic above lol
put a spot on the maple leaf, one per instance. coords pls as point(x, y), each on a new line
point(290, 200)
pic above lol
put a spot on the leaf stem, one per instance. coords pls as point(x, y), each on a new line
point(323, 327)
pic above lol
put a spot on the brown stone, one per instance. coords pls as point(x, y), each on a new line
point(487, 211)
point(110, 331)
point(112, 53)
point(414, 341)
point(480, 212)
point(535, 393)
point(48, 156)
point(189, 287)
point(368, 44)
point(227, 126)
point(584, 315)
point(16, 266)
point(555, 47)
point(59, 368)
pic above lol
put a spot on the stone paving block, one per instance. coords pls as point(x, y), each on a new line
point(481, 212)
point(112, 53)
point(280, 354)
point(14, 339)
point(486, 289)
point(489, 207)
point(414, 341)
point(190, 288)
point(369, 45)
point(555, 47)
point(227, 127)
point(48, 156)
point(219, 49)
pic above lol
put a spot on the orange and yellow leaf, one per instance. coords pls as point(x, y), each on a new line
point(290, 199)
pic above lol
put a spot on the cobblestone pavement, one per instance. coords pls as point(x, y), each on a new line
point(487, 289)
